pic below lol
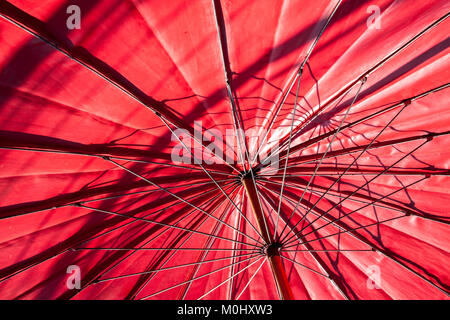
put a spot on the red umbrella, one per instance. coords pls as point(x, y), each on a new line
point(224, 149)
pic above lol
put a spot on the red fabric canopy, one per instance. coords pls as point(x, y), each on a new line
point(352, 205)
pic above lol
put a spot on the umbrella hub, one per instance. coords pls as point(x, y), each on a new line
point(247, 174)
point(272, 249)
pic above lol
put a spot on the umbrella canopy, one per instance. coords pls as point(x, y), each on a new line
point(220, 149)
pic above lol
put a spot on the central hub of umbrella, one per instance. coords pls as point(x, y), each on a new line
point(249, 174)
point(272, 249)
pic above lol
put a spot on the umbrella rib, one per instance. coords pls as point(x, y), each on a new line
point(96, 279)
point(287, 157)
point(179, 198)
point(407, 44)
point(298, 73)
point(169, 268)
point(201, 144)
point(372, 179)
point(228, 78)
point(437, 172)
point(69, 203)
point(356, 159)
point(169, 165)
point(338, 130)
point(228, 279)
point(327, 276)
point(321, 32)
point(204, 254)
point(434, 24)
point(218, 186)
point(94, 70)
point(150, 214)
point(207, 248)
point(306, 267)
point(251, 278)
point(319, 138)
point(363, 81)
point(82, 242)
point(235, 246)
point(349, 230)
point(160, 223)
point(153, 190)
point(365, 206)
point(379, 250)
point(297, 135)
point(379, 199)
point(328, 250)
point(387, 206)
point(179, 247)
point(163, 265)
point(304, 207)
point(236, 119)
point(162, 249)
point(376, 145)
point(196, 278)
point(108, 158)
point(395, 52)
point(172, 254)
point(322, 266)
point(331, 278)
point(112, 157)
